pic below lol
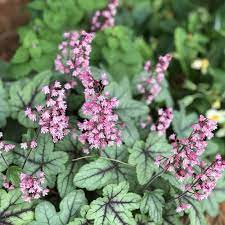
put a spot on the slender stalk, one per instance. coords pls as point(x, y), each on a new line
point(115, 160)
point(4, 160)
point(101, 157)
point(84, 157)
point(192, 185)
point(177, 197)
point(28, 155)
point(154, 177)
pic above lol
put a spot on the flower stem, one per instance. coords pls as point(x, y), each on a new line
point(154, 177)
point(101, 157)
point(28, 155)
point(4, 160)
point(27, 158)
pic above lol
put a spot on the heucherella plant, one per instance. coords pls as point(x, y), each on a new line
point(105, 18)
point(198, 178)
point(83, 145)
point(150, 86)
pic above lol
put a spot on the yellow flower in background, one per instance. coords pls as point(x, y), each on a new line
point(216, 104)
point(201, 64)
point(216, 115)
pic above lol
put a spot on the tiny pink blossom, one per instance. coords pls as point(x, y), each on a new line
point(105, 18)
point(33, 144)
point(150, 86)
point(164, 121)
point(101, 129)
point(52, 116)
point(32, 186)
point(198, 178)
point(6, 184)
point(183, 207)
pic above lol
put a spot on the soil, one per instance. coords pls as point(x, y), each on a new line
point(13, 14)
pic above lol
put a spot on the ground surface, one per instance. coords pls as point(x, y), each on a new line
point(13, 14)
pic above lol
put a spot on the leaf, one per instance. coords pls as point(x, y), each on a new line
point(103, 171)
point(211, 204)
point(13, 175)
point(82, 221)
point(127, 106)
point(196, 215)
point(67, 144)
point(182, 123)
point(120, 91)
point(42, 158)
point(152, 203)
point(8, 159)
point(143, 154)
point(45, 213)
point(21, 56)
point(143, 220)
point(129, 133)
point(13, 210)
point(65, 179)
point(115, 206)
point(131, 108)
point(4, 106)
point(171, 217)
point(128, 110)
point(18, 71)
point(165, 95)
point(180, 37)
point(25, 93)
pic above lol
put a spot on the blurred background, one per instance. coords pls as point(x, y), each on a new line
point(192, 30)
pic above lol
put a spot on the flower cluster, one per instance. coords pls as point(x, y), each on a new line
point(6, 184)
point(150, 86)
point(74, 56)
point(52, 116)
point(32, 186)
point(5, 147)
point(164, 121)
point(100, 130)
point(105, 18)
point(198, 178)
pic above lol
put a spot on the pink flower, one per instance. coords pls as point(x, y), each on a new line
point(199, 179)
point(6, 184)
point(183, 207)
point(33, 144)
point(30, 114)
point(52, 116)
point(164, 121)
point(150, 86)
point(4, 147)
point(74, 57)
point(32, 186)
point(101, 129)
point(105, 18)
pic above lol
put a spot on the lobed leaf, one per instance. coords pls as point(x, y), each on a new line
point(143, 154)
point(115, 206)
point(153, 203)
point(45, 213)
point(13, 210)
point(105, 170)
point(42, 158)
